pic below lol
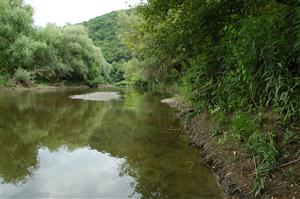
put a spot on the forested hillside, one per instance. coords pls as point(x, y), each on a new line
point(50, 54)
point(237, 60)
point(103, 30)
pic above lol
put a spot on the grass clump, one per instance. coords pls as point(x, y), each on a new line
point(244, 126)
point(248, 130)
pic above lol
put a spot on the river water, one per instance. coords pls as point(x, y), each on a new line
point(52, 146)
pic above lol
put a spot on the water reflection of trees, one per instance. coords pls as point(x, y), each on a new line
point(30, 120)
point(162, 165)
point(135, 129)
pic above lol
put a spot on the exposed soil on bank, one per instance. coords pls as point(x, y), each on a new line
point(233, 165)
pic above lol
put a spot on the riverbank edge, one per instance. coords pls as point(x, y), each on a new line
point(48, 86)
point(198, 130)
point(232, 165)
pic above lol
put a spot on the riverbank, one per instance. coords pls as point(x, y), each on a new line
point(232, 164)
point(47, 86)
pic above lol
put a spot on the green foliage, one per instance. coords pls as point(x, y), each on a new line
point(133, 72)
point(197, 83)
point(247, 129)
point(15, 27)
point(51, 53)
point(68, 54)
point(261, 145)
point(269, 69)
point(238, 55)
point(264, 150)
point(265, 155)
point(4, 80)
point(79, 53)
point(290, 137)
point(244, 126)
point(116, 74)
point(96, 77)
point(220, 120)
point(103, 31)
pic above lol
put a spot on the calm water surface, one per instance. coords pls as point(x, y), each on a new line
point(52, 146)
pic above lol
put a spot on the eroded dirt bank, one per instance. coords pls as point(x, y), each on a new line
point(233, 166)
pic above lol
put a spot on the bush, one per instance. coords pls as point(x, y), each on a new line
point(96, 81)
point(4, 80)
point(123, 83)
point(22, 76)
point(197, 84)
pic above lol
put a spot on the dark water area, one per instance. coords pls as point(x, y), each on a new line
point(52, 146)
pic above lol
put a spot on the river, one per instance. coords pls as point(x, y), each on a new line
point(52, 146)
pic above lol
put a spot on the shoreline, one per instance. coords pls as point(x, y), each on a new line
point(232, 165)
point(46, 86)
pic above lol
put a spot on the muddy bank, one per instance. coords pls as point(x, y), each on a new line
point(3, 89)
point(49, 87)
point(233, 166)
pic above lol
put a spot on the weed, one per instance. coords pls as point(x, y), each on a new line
point(244, 126)
point(223, 139)
point(248, 130)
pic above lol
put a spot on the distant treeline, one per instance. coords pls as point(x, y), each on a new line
point(51, 53)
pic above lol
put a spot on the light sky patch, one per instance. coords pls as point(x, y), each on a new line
point(61, 12)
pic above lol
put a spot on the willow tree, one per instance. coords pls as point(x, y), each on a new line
point(52, 53)
point(16, 45)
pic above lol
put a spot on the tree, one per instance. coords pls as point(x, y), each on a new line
point(15, 30)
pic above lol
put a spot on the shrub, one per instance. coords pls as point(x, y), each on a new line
point(22, 76)
point(96, 81)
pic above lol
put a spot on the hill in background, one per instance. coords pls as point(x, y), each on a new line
point(103, 31)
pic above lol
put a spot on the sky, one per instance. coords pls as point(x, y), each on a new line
point(74, 11)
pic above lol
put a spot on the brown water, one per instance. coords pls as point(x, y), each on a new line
point(52, 146)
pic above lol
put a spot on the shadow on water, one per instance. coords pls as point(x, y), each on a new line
point(53, 146)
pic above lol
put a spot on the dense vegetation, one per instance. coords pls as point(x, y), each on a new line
point(103, 31)
point(238, 60)
point(52, 54)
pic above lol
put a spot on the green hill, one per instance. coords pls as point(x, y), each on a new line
point(103, 31)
